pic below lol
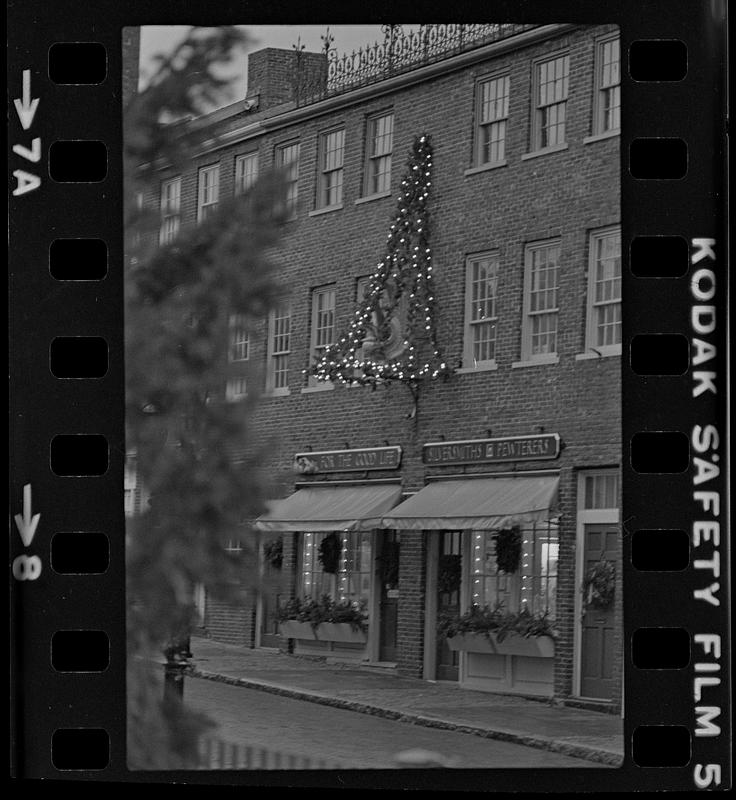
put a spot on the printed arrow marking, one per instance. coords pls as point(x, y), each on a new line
point(27, 524)
point(26, 107)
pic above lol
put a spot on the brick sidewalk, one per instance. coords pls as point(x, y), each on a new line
point(574, 732)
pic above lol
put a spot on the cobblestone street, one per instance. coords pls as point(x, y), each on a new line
point(355, 741)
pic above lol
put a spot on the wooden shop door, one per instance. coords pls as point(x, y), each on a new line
point(598, 640)
point(448, 599)
point(269, 600)
point(388, 560)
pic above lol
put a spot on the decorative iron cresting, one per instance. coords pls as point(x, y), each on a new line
point(399, 52)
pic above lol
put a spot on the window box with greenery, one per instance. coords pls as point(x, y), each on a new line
point(491, 630)
point(325, 619)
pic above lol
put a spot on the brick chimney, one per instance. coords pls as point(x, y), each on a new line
point(272, 75)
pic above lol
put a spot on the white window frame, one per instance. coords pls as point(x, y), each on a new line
point(236, 388)
point(317, 342)
point(170, 210)
point(246, 171)
point(278, 351)
point(130, 486)
point(539, 106)
point(605, 85)
point(592, 326)
point(287, 156)
point(498, 118)
point(208, 190)
point(469, 361)
point(330, 177)
point(239, 339)
point(528, 314)
point(376, 159)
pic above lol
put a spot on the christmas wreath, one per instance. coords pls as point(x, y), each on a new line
point(600, 584)
point(508, 550)
point(329, 553)
point(273, 552)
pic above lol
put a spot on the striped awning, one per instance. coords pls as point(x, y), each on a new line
point(331, 508)
point(476, 504)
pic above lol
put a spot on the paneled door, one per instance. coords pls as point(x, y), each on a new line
point(448, 599)
point(598, 640)
point(388, 560)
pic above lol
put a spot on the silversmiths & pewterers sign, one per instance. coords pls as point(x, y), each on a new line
point(492, 451)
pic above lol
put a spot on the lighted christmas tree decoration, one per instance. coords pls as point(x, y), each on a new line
point(392, 334)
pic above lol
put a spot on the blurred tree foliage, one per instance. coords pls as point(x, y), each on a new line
point(179, 300)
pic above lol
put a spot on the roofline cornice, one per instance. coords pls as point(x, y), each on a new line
point(384, 87)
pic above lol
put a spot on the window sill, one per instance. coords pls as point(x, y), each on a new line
point(604, 353)
point(537, 362)
point(486, 367)
point(554, 149)
point(599, 137)
point(485, 167)
point(277, 393)
point(323, 387)
point(369, 198)
point(326, 210)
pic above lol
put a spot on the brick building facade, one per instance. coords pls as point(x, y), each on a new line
point(525, 240)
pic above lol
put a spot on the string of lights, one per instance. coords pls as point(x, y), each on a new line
point(400, 292)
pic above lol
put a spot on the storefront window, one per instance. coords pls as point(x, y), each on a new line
point(532, 586)
point(352, 581)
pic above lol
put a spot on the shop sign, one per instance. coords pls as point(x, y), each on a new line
point(358, 460)
point(492, 451)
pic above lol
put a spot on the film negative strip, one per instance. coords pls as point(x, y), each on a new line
point(604, 545)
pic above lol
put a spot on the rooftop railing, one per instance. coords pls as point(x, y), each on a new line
point(400, 51)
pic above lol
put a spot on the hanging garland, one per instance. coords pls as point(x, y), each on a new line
point(508, 550)
point(599, 585)
point(392, 334)
point(329, 553)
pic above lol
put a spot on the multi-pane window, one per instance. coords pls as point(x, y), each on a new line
point(323, 323)
point(235, 389)
point(239, 339)
point(279, 348)
point(238, 352)
point(208, 191)
point(352, 580)
point(541, 309)
point(332, 148)
point(493, 111)
point(170, 210)
point(600, 490)
point(604, 291)
point(480, 310)
point(608, 86)
point(354, 576)
point(533, 586)
point(246, 172)
point(550, 99)
point(380, 146)
point(130, 479)
point(287, 156)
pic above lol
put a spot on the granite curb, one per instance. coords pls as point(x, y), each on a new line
point(572, 749)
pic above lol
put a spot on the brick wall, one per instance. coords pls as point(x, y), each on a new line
point(565, 195)
point(232, 623)
point(272, 74)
